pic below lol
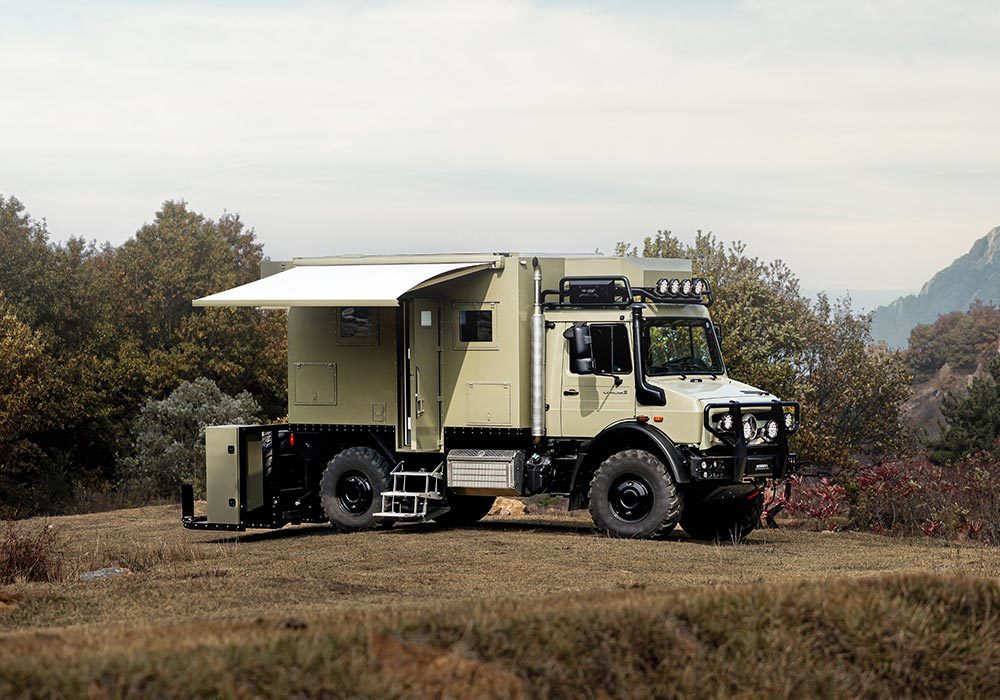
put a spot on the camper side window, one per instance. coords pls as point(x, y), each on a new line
point(358, 325)
point(475, 326)
point(609, 347)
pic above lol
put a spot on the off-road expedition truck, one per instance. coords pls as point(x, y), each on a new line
point(422, 387)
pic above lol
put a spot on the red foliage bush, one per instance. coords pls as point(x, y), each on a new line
point(959, 500)
point(819, 499)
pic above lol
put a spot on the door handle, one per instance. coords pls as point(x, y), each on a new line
point(570, 392)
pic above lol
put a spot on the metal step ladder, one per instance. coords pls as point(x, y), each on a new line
point(415, 496)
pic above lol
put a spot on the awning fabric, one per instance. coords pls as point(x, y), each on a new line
point(339, 285)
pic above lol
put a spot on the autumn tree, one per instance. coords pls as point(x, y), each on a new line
point(101, 329)
point(31, 395)
point(179, 257)
point(964, 340)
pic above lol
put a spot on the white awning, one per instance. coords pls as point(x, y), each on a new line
point(339, 285)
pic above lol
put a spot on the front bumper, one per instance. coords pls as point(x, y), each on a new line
point(723, 465)
point(736, 460)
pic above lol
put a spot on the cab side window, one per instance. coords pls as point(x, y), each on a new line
point(610, 349)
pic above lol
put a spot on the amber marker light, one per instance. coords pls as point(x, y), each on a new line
point(657, 419)
point(642, 419)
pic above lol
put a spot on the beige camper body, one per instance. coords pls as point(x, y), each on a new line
point(345, 380)
point(484, 374)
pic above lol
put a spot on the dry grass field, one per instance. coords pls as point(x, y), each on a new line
point(513, 607)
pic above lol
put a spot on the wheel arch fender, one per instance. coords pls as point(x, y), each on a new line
point(628, 435)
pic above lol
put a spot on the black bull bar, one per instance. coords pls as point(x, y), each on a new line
point(736, 440)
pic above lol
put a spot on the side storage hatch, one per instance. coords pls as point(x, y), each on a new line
point(228, 498)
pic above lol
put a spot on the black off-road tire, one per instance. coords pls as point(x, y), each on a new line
point(633, 495)
point(730, 520)
point(351, 489)
point(465, 510)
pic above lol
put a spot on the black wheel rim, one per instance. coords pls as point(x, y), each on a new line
point(631, 498)
point(354, 492)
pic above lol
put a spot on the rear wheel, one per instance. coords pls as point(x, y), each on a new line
point(465, 510)
point(729, 520)
point(633, 495)
point(351, 488)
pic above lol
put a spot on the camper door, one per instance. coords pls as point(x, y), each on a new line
point(422, 353)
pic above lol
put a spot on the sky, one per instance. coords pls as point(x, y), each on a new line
point(859, 142)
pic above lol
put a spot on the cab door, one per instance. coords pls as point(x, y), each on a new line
point(424, 351)
point(591, 402)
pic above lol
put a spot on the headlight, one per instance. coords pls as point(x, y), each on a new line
point(749, 428)
point(789, 421)
point(686, 287)
point(727, 421)
point(771, 430)
point(675, 287)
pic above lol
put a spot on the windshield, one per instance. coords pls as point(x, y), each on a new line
point(680, 346)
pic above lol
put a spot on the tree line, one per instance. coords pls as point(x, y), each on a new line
point(96, 339)
point(90, 332)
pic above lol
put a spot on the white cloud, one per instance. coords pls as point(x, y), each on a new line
point(862, 145)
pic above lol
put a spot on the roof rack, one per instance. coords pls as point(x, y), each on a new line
point(615, 292)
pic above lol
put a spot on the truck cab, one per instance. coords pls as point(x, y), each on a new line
point(422, 387)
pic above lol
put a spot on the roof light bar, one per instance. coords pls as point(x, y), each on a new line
point(694, 288)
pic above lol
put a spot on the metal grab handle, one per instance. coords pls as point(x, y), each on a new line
point(416, 392)
point(570, 392)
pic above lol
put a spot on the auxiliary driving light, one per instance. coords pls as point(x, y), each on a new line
point(686, 287)
point(663, 287)
point(699, 287)
point(771, 430)
point(727, 421)
point(675, 287)
point(749, 428)
point(789, 421)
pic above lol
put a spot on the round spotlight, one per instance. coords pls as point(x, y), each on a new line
point(662, 287)
point(749, 428)
point(789, 421)
point(686, 287)
point(675, 287)
point(699, 287)
point(727, 421)
point(771, 430)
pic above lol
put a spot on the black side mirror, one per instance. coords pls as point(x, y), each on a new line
point(718, 332)
point(581, 352)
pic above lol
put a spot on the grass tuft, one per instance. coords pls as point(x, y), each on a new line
point(142, 556)
point(30, 552)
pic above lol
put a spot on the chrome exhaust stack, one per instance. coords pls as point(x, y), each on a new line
point(537, 359)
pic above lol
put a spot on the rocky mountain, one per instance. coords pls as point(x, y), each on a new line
point(975, 275)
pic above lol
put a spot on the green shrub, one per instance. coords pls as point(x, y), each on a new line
point(169, 447)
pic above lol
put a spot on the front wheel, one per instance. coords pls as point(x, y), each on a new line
point(729, 520)
point(633, 495)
